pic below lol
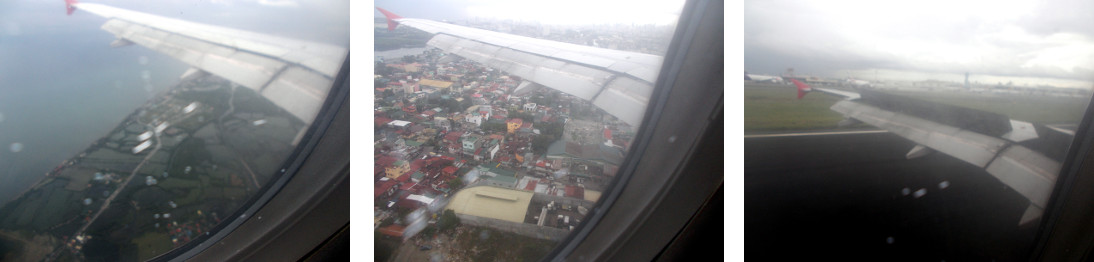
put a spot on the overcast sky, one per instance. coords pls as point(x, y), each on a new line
point(324, 21)
point(567, 12)
point(1050, 42)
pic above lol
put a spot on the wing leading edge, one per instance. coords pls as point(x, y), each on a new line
point(295, 75)
point(618, 82)
point(999, 145)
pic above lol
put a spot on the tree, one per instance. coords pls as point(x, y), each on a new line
point(551, 129)
point(524, 116)
point(541, 142)
point(382, 69)
point(448, 221)
point(388, 93)
point(494, 127)
point(455, 183)
point(451, 105)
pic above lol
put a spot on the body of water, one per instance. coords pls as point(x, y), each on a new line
point(62, 87)
point(398, 53)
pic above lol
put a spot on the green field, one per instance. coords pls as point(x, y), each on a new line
point(774, 108)
point(777, 108)
point(152, 244)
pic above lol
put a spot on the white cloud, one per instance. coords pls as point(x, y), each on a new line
point(279, 3)
point(929, 36)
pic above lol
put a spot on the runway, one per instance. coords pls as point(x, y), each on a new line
point(818, 133)
point(840, 196)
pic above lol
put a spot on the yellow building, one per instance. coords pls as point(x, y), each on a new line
point(514, 124)
point(491, 202)
point(435, 83)
point(397, 169)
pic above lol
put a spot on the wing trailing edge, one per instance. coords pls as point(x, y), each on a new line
point(619, 82)
point(295, 75)
point(1029, 172)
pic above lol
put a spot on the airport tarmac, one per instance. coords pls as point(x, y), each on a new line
point(842, 196)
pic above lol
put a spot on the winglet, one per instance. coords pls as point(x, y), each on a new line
point(390, 18)
point(802, 88)
point(69, 7)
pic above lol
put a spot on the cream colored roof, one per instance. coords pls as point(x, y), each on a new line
point(491, 202)
point(592, 196)
point(435, 83)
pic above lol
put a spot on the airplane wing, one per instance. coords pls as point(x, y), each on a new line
point(295, 75)
point(803, 88)
point(1024, 156)
point(618, 82)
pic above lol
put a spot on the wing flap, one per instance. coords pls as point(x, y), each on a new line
point(968, 146)
point(1031, 174)
point(1028, 172)
point(575, 79)
point(297, 90)
point(295, 75)
point(590, 73)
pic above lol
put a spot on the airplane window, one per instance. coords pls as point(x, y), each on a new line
point(132, 128)
point(919, 131)
point(499, 124)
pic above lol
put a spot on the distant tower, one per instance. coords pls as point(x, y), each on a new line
point(966, 80)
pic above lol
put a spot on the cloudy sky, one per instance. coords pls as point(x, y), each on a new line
point(566, 12)
point(319, 20)
point(1028, 42)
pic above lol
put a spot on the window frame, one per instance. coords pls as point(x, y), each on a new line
point(655, 195)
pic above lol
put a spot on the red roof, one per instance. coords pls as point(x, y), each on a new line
point(417, 165)
point(526, 125)
point(531, 186)
point(386, 161)
point(608, 134)
point(453, 136)
point(380, 121)
point(449, 170)
point(573, 191)
point(393, 230)
point(384, 187)
point(403, 178)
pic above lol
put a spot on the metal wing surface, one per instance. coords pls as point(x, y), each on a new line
point(1024, 156)
point(618, 82)
point(293, 74)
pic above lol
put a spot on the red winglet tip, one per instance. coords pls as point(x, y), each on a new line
point(390, 19)
point(68, 6)
point(802, 88)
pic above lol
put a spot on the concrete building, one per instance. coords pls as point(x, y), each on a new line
point(397, 169)
point(491, 202)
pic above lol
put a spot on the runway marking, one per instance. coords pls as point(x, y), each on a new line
point(819, 133)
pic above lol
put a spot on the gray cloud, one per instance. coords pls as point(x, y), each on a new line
point(1053, 41)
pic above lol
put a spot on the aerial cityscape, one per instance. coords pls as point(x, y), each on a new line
point(466, 169)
